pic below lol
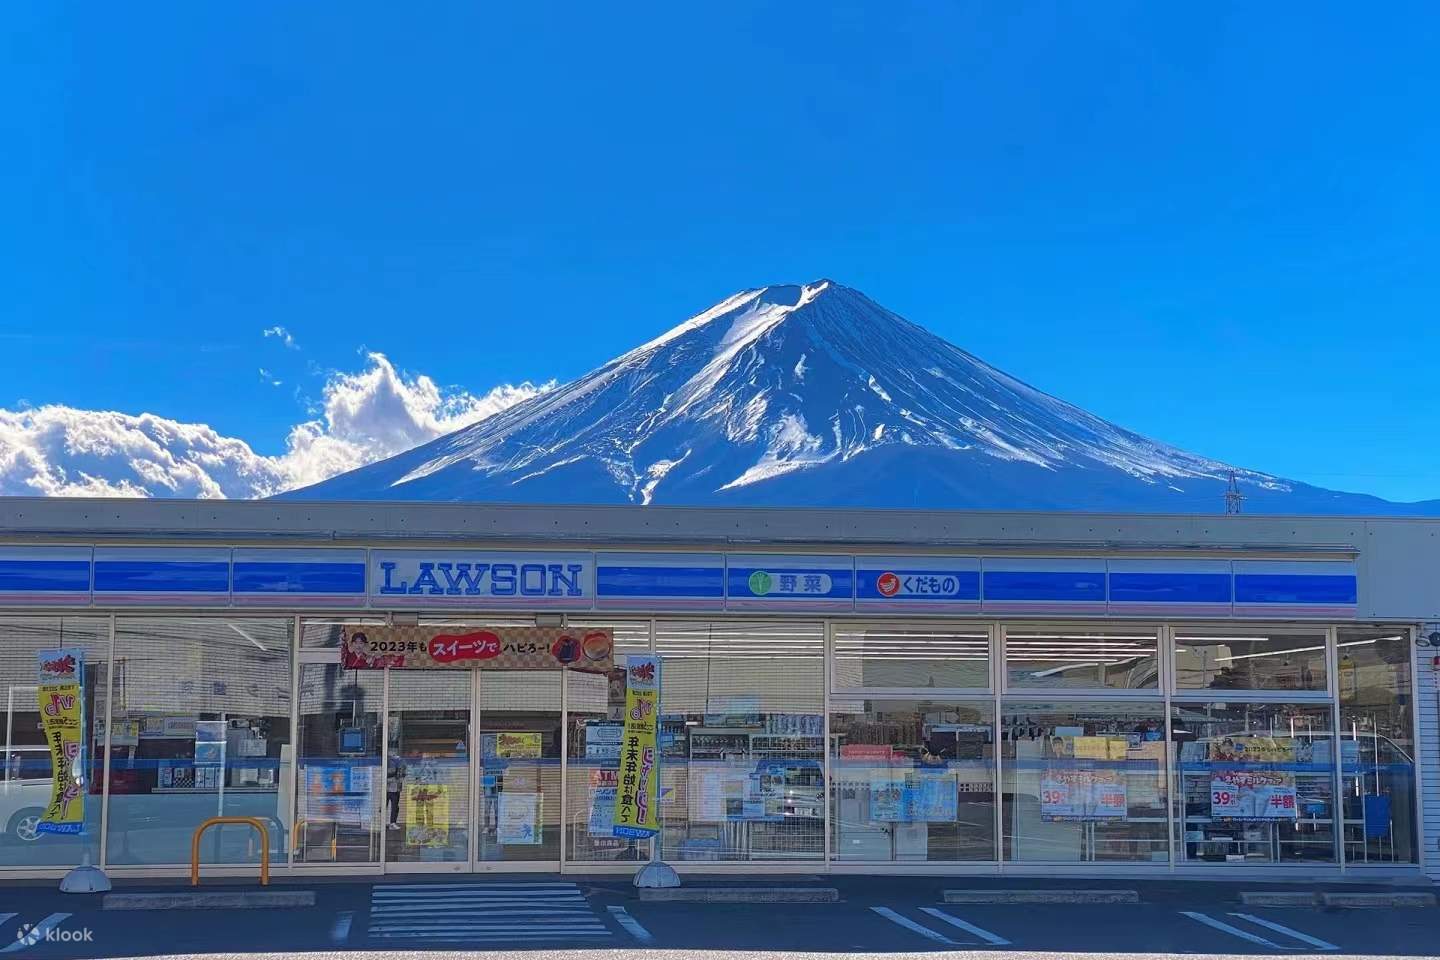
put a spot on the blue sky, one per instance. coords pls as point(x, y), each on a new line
point(1215, 226)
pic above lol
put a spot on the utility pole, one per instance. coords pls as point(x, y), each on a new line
point(1233, 496)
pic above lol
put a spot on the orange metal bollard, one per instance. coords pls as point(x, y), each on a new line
point(255, 822)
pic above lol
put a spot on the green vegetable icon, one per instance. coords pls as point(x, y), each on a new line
point(761, 583)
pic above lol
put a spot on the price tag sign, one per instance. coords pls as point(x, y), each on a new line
point(1058, 799)
point(1224, 797)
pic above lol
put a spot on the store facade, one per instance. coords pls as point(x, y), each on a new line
point(873, 692)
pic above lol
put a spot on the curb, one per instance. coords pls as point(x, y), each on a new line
point(741, 894)
point(231, 900)
point(1041, 896)
point(1279, 898)
point(1320, 898)
point(1378, 899)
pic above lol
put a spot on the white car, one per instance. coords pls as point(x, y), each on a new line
point(25, 789)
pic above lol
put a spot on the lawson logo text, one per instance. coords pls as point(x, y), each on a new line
point(461, 579)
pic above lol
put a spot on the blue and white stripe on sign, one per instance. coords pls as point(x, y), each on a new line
point(45, 575)
point(1165, 586)
point(158, 575)
point(776, 582)
point(1042, 586)
point(660, 581)
point(949, 584)
point(1314, 588)
point(266, 576)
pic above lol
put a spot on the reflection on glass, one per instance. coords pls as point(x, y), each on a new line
point(597, 710)
point(1377, 746)
point(1256, 782)
point(1084, 781)
point(26, 777)
point(427, 776)
point(898, 657)
point(1077, 658)
point(912, 780)
point(519, 765)
point(742, 740)
point(1249, 660)
point(340, 786)
point(202, 729)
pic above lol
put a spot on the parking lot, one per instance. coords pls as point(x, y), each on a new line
point(551, 914)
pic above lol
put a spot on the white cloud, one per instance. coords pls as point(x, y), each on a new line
point(63, 451)
point(282, 334)
point(270, 378)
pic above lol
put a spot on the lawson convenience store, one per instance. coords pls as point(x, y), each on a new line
point(865, 691)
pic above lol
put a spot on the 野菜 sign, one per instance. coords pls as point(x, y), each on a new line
point(377, 646)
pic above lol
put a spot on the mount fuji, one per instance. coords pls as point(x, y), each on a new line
point(815, 395)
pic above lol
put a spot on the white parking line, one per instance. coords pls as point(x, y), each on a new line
point(1233, 931)
point(340, 929)
point(995, 940)
point(909, 924)
point(35, 934)
point(1281, 928)
point(631, 925)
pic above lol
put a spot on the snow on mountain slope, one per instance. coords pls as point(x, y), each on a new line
point(814, 394)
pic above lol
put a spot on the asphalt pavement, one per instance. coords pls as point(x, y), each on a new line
point(540, 916)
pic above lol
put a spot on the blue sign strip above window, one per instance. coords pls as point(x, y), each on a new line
point(157, 575)
point(1273, 587)
point(659, 581)
point(1042, 586)
point(45, 575)
point(639, 581)
point(278, 577)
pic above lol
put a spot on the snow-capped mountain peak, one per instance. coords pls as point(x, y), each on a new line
point(809, 394)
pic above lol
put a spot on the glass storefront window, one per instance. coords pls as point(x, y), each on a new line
point(912, 780)
point(340, 787)
point(911, 656)
point(1079, 658)
point(742, 740)
point(1248, 659)
point(427, 776)
point(26, 773)
point(1084, 781)
point(1377, 745)
point(202, 729)
point(1256, 782)
point(596, 704)
point(519, 765)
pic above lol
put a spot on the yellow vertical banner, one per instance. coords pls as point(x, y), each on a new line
point(637, 799)
point(62, 717)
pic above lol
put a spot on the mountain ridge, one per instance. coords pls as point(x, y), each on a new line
point(814, 394)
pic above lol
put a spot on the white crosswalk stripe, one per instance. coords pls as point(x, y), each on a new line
point(1255, 938)
point(480, 911)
